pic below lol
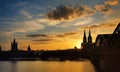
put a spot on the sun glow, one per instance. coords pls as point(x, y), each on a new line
point(78, 44)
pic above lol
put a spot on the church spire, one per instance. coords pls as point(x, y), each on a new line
point(14, 41)
point(89, 37)
point(14, 45)
point(29, 49)
point(84, 37)
point(89, 33)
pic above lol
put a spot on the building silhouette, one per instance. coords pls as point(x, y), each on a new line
point(89, 37)
point(14, 45)
point(87, 41)
point(84, 37)
point(107, 51)
point(29, 48)
point(111, 41)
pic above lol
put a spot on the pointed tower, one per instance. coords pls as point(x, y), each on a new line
point(89, 37)
point(29, 49)
point(14, 45)
point(84, 37)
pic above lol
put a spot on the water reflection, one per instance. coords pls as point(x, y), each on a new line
point(46, 66)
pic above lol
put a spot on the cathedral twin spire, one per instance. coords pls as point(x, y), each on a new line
point(89, 37)
point(84, 37)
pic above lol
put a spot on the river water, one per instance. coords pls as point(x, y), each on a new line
point(46, 66)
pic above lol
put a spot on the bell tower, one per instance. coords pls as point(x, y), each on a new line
point(29, 49)
point(14, 45)
point(84, 37)
point(89, 37)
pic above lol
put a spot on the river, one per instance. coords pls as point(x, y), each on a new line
point(46, 66)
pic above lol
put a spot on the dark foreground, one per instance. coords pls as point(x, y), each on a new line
point(60, 55)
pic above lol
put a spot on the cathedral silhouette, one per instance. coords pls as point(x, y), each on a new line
point(14, 45)
point(87, 41)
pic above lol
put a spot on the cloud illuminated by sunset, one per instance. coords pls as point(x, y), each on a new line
point(56, 24)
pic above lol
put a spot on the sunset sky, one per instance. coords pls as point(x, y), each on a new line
point(55, 24)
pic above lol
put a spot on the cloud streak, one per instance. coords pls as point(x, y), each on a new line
point(101, 25)
point(51, 36)
point(111, 2)
point(25, 14)
point(105, 9)
point(25, 26)
point(37, 35)
point(66, 34)
point(43, 40)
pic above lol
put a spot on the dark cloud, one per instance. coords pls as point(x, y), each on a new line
point(67, 12)
point(37, 35)
point(47, 37)
point(61, 35)
point(40, 43)
point(105, 9)
point(66, 34)
point(70, 33)
point(43, 40)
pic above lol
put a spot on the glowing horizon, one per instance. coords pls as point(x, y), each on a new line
point(52, 25)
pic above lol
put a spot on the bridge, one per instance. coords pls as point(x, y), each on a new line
point(105, 52)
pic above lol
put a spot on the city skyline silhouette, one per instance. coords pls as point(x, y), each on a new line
point(53, 35)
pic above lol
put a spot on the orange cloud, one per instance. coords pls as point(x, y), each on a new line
point(101, 25)
point(111, 2)
point(105, 9)
point(66, 34)
point(48, 38)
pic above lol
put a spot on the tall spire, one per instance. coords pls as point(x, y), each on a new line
point(84, 37)
point(89, 37)
point(29, 48)
point(89, 33)
point(14, 45)
point(14, 41)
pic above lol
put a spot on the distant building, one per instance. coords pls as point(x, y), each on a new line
point(87, 42)
point(14, 45)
